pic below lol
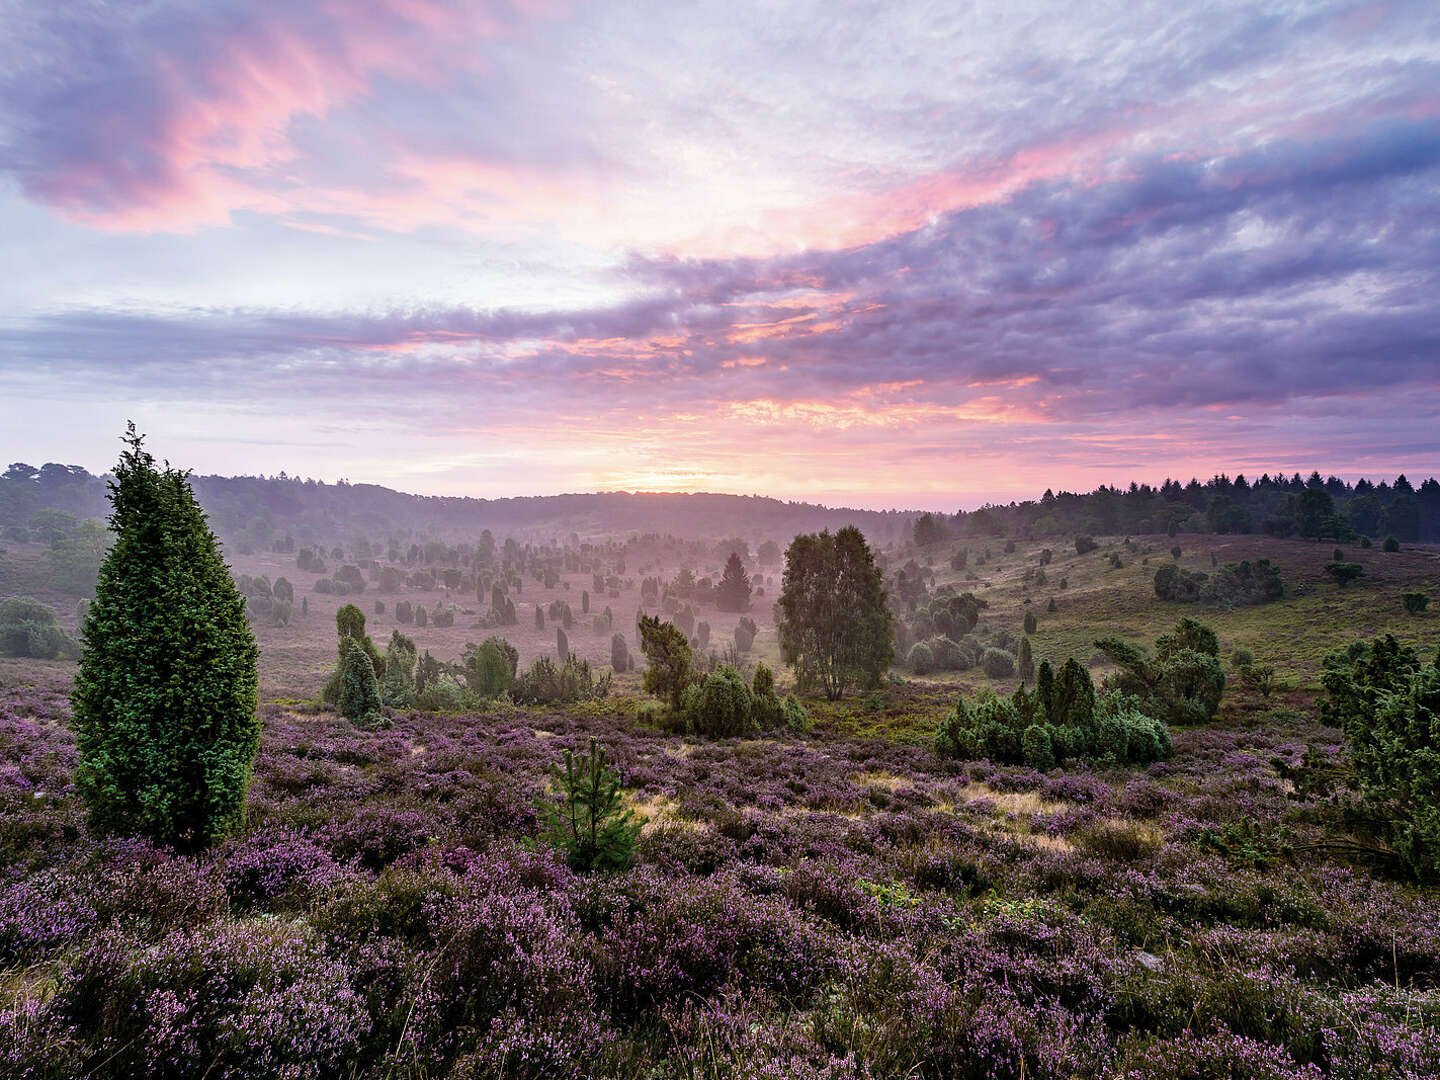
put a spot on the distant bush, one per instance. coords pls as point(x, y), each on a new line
point(1239, 584)
point(1344, 572)
point(619, 653)
point(1415, 602)
point(489, 667)
point(404, 612)
point(1031, 623)
point(1085, 544)
point(1025, 660)
point(29, 628)
point(549, 683)
point(998, 663)
point(745, 632)
point(1390, 544)
point(920, 659)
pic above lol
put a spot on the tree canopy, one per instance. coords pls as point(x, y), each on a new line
point(833, 617)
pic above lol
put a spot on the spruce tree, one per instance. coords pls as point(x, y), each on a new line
point(164, 700)
point(733, 592)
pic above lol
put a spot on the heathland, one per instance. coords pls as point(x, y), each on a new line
point(826, 898)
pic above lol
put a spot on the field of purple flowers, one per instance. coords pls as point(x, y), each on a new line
point(827, 905)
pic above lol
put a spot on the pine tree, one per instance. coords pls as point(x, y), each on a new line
point(164, 700)
point(591, 825)
point(733, 592)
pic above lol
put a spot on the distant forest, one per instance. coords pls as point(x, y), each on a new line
point(1318, 508)
point(281, 511)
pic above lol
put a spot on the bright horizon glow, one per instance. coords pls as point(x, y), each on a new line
point(907, 257)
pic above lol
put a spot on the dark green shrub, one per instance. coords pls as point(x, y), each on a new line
point(1025, 662)
point(1415, 602)
point(562, 644)
point(1388, 704)
point(488, 668)
point(1390, 544)
point(164, 700)
point(1050, 607)
point(1030, 622)
point(668, 657)
point(29, 628)
point(1344, 572)
point(1085, 544)
point(720, 705)
point(1037, 749)
point(1183, 683)
point(619, 653)
point(404, 612)
point(397, 687)
point(359, 687)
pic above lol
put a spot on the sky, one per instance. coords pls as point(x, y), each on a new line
point(891, 254)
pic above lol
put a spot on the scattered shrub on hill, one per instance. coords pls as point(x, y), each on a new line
point(549, 683)
point(1390, 544)
point(745, 631)
point(1239, 584)
point(1085, 544)
point(1025, 661)
point(29, 628)
point(1031, 623)
point(590, 823)
point(921, 659)
point(619, 653)
point(998, 663)
point(1182, 683)
point(164, 700)
point(1415, 602)
point(404, 612)
point(1344, 572)
point(1387, 701)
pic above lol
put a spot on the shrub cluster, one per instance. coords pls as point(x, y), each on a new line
point(1241, 584)
point(1062, 719)
point(721, 704)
